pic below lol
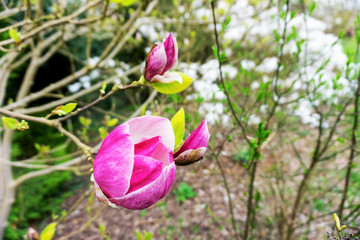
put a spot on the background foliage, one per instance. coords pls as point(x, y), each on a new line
point(281, 116)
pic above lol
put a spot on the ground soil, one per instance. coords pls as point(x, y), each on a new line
point(205, 216)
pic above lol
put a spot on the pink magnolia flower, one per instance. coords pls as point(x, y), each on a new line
point(160, 59)
point(135, 167)
point(194, 147)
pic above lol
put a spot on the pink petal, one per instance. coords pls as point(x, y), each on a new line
point(155, 62)
point(155, 148)
point(163, 154)
point(114, 162)
point(198, 138)
point(147, 147)
point(146, 170)
point(168, 77)
point(149, 194)
point(171, 50)
point(145, 127)
point(101, 196)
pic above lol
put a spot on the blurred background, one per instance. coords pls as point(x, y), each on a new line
point(290, 76)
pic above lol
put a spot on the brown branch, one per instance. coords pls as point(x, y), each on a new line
point(64, 166)
point(53, 23)
point(352, 149)
point(52, 123)
point(227, 188)
point(100, 99)
point(77, 95)
point(61, 83)
point(11, 12)
point(238, 121)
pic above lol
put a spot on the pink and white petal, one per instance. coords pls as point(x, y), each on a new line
point(167, 77)
point(149, 194)
point(190, 156)
point(155, 148)
point(163, 154)
point(198, 138)
point(101, 196)
point(147, 147)
point(155, 62)
point(146, 170)
point(145, 127)
point(114, 162)
point(171, 50)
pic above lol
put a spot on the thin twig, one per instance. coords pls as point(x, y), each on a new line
point(216, 156)
point(238, 121)
point(53, 23)
point(100, 99)
point(352, 149)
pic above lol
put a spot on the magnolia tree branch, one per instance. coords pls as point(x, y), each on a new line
point(63, 167)
point(222, 81)
point(316, 157)
point(51, 123)
point(77, 95)
point(53, 23)
point(226, 185)
point(34, 96)
point(45, 159)
point(11, 12)
point(66, 165)
point(352, 148)
point(5, 70)
point(30, 166)
point(69, 79)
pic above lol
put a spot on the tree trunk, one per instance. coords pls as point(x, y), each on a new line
point(7, 190)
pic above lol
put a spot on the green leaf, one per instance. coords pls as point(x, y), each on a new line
point(125, 3)
point(103, 89)
point(48, 232)
point(173, 87)
point(33, 2)
point(312, 8)
point(38, 147)
point(10, 123)
point(148, 235)
point(143, 110)
point(178, 124)
point(103, 133)
point(85, 121)
point(102, 228)
point(23, 125)
point(215, 52)
point(338, 226)
point(15, 35)
point(225, 24)
point(222, 57)
point(139, 236)
point(63, 110)
point(143, 213)
point(112, 122)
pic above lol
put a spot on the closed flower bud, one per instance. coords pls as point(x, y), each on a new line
point(160, 59)
point(194, 147)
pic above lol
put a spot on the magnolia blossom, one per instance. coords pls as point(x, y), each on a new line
point(160, 59)
point(194, 147)
point(135, 167)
